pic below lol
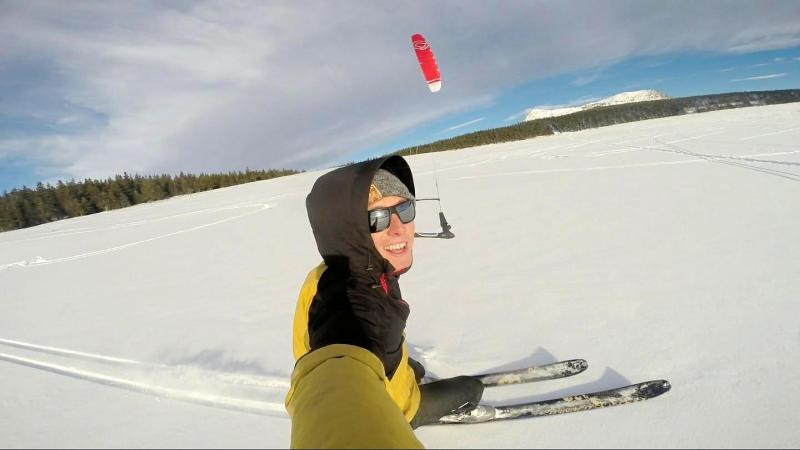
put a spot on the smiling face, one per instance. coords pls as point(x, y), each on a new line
point(396, 242)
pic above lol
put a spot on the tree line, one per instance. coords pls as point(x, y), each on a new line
point(27, 207)
point(608, 115)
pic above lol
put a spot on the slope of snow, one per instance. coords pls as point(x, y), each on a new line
point(618, 99)
point(657, 249)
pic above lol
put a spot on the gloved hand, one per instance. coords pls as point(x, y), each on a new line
point(353, 309)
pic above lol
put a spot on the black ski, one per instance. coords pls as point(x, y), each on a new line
point(531, 374)
point(582, 402)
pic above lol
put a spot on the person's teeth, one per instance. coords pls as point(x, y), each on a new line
point(395, 247)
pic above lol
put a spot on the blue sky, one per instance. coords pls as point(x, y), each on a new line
point(93, 89)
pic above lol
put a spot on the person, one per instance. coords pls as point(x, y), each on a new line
point(362, 217)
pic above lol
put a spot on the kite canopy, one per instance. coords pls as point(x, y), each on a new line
point(427, 62)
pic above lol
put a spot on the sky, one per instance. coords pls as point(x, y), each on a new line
point(95, 89)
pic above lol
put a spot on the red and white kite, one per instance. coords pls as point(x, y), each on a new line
point(427, 62)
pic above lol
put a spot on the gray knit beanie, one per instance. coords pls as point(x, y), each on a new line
point(386, 184)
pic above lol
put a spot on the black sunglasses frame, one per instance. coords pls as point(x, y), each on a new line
point(382, 222)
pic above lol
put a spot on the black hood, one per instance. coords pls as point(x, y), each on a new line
point(337, 211)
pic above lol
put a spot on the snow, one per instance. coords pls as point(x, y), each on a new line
point(618, 99)
point(661, 249)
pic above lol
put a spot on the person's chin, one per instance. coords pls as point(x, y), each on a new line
point(401, 264)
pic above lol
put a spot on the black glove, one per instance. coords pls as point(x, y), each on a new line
point(355, 310)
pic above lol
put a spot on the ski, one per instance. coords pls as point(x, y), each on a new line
point(531, 374)
point(582, 402)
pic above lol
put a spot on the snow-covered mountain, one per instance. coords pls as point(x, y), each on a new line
point(621, 98)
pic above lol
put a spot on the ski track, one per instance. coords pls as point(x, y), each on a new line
point(198, 397)
point(227, 377)
point(239, 392)
point(738, 161)
point(583, 169)
point(756, 136)
point(748, 158)
point(84, 230)
point(700, 158)
point(39, 261)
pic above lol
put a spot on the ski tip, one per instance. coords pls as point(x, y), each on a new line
point(579, 364)
point(477, 414)
point(655, 388)
point(575, 366)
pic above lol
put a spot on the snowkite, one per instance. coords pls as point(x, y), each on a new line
point(427, 62)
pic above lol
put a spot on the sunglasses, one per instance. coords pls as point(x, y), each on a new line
point(379, 219)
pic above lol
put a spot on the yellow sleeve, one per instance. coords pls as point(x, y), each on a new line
point(300, 344)
point(338, 399)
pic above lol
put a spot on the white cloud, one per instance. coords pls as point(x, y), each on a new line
point(462, 125)
point(214, 85)
point(762, 77)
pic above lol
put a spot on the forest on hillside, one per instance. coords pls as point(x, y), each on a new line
point(27, 207)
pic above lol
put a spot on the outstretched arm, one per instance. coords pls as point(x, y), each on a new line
point(338, 399)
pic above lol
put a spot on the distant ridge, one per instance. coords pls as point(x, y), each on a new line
point(619, 99)
point(608, 115)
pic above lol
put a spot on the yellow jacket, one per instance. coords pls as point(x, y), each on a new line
point(338, 400)
point(402, 388)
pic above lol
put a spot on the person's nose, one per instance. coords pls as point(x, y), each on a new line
point(396, 226)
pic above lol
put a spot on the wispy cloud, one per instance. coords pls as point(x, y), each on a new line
point(762, 77)
point(68, 119)
point(576, 102)
point(584, 80)
point(462, 125)
point(728, 69)
point(783, 37)
point(760, 65)
point(518, 116)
